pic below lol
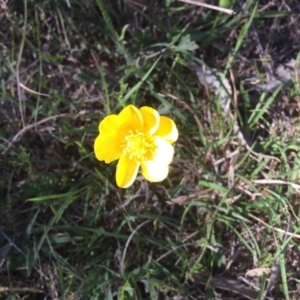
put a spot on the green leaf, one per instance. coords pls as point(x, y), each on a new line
point(225, 3)
point(186, 44)
point(29, 260)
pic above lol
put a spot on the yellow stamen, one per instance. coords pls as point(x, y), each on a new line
point(139, 146)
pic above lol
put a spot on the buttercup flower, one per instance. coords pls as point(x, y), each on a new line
point(138, 138)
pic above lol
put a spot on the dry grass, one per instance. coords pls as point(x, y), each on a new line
point(222, 226)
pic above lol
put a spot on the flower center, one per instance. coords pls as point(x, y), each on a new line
point(139, 146)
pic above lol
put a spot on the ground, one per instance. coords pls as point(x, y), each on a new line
point(223, 225)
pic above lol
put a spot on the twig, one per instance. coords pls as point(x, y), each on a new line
point(128, 241)
point(294, 235)
point(19, 289)
point(277, 181)
point(222, 9)
point(28, 127)
point(32, 91)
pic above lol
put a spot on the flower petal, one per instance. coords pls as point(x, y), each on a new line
point(164, 151)
point(109, 124)
point(130, 118)
point(157, 169)
point(167, 129)
point(107, 148)
point(150, 118)
point(154, 172)
point(126, 171)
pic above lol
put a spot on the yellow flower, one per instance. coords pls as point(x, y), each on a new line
point(137, 137)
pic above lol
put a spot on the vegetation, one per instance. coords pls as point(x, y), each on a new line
point(223, 225)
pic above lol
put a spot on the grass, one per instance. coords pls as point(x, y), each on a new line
point(67, 231)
